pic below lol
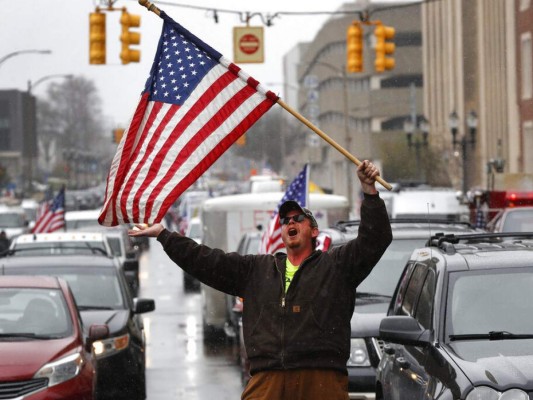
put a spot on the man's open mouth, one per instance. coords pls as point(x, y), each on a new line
point(293, 232)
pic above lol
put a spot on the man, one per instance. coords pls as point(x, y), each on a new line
point(298, 305)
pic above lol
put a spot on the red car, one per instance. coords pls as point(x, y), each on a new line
point(44, 352)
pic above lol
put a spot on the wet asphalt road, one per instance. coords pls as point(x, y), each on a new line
point(178, 364)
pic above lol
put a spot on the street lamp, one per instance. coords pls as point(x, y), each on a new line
point(16, 53)
point(341, 72)
point(31, 86)
point(471, 123)
point(410, 128)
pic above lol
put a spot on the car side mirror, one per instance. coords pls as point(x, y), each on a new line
point(404, 330)
point(96, 332)
point(141, 306)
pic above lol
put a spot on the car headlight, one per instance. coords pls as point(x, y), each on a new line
point(61, 370)
point(358, 354)
point(107, 347)
point(487, 393)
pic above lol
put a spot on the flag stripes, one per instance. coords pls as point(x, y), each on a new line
point(169, 144)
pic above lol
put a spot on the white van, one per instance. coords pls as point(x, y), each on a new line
point(427, 202)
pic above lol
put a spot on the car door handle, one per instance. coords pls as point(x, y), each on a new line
point(402, 362)
point(387, 349)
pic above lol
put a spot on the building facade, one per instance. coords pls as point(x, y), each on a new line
point(354, 109)
point(473, 55)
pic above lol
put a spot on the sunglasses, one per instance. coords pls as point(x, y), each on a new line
point(295, 218)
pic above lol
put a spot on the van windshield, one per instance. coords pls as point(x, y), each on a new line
point(384, 277)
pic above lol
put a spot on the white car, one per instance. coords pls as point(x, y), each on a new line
point(60, 243)
point(13, 221)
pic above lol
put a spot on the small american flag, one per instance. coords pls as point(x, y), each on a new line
point(271, 241)
point(51, 214)
point(194, 106)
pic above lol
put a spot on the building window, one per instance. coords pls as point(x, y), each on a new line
point(527, 129)
point(524, 4)
point(527, 70)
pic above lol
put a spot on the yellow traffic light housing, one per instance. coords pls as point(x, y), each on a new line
point(97, 30)
point(117, 135)
point(129, 38)
point(241, 141)
point(384, 48)
point(354, 47)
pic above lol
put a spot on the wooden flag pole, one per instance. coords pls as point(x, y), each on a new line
point(306, 122)
point(150, 7)
point(332, 142)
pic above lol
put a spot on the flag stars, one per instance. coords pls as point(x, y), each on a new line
point(189, 57)
point(183, 76)
point(169, 65)
point(187, 49)
point(171, 73)
point(191, 65)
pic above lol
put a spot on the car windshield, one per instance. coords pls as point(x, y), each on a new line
point(195, 231)
point(29, 313)
point(74, 224)
point(92, 287)
point(114, 243)
point(498, 300)
point(53, 248)
point(386, 273)
point(519, 221)
point(11, 220)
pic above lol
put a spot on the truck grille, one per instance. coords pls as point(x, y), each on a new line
point(378, 345)
point(13, 390)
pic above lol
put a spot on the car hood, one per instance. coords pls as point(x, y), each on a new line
point(369, 311)
point(21, 359)
point(366, 324)
point(501, 363)
point(116, 320)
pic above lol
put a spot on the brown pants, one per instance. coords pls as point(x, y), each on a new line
point(300, 384)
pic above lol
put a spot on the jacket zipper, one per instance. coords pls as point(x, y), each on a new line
point(282, 304)
point(283, 310)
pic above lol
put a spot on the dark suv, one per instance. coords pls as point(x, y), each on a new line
point(459, 324)
point(374, 293)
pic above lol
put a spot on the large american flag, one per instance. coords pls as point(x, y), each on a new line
point(271, 241)
point(195, 104)
point(51, 214)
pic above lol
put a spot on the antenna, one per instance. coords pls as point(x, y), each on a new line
point(429, 229)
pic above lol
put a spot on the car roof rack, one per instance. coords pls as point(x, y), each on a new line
point(447, 242)
point(342, 225)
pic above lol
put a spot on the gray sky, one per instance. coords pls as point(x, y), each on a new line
point(62, 26)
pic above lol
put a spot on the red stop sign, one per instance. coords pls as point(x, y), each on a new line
point(249, 43)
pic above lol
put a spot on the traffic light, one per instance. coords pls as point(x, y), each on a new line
point(128, 38)
point(117, 135)
point(97, 48)
point(384, 47)
point(241, 141)
point(354, 47)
